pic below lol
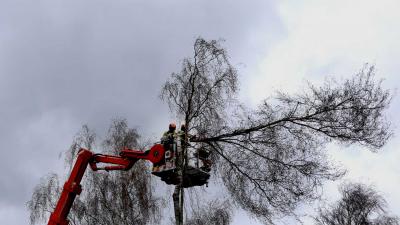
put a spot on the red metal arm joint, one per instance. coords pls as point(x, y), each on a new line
point(154, 155)
point(127, 158)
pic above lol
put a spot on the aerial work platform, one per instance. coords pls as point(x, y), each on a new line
point(195, 173)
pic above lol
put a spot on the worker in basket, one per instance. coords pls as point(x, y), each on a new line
point(168, 137)
point(167, 140)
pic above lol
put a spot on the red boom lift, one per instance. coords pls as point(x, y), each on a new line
point(72, 187)
point(163, 166)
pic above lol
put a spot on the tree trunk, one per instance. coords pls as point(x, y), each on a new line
point(178, 194)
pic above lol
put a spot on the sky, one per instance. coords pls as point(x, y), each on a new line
point(68, 63)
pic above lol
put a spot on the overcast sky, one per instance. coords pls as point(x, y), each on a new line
point(64, 63)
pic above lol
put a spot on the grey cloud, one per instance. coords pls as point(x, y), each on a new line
point(87, 62)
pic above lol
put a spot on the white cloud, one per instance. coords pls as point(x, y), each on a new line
point(329, 37)
point(378, 169)
point(336, 38)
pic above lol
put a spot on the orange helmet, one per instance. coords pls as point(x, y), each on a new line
point(172, 126)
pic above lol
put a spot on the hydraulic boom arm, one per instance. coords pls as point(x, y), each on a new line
point(72, 186)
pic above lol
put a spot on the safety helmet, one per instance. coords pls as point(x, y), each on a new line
point(172, 126)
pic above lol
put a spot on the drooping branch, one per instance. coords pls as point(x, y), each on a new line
point(277, 151)
point(349, 112)
point(359, 204)
point(215, 212)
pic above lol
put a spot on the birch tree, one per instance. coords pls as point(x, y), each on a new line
point(273, 158)
point(359, 205)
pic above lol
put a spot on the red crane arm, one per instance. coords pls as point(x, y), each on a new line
point(72, 186)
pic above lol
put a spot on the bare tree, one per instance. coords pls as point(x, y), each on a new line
point(273, 158)
point(123, 197)
point(360, 205)
point(44, 198)
point(213, 213)
point(198, 94)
